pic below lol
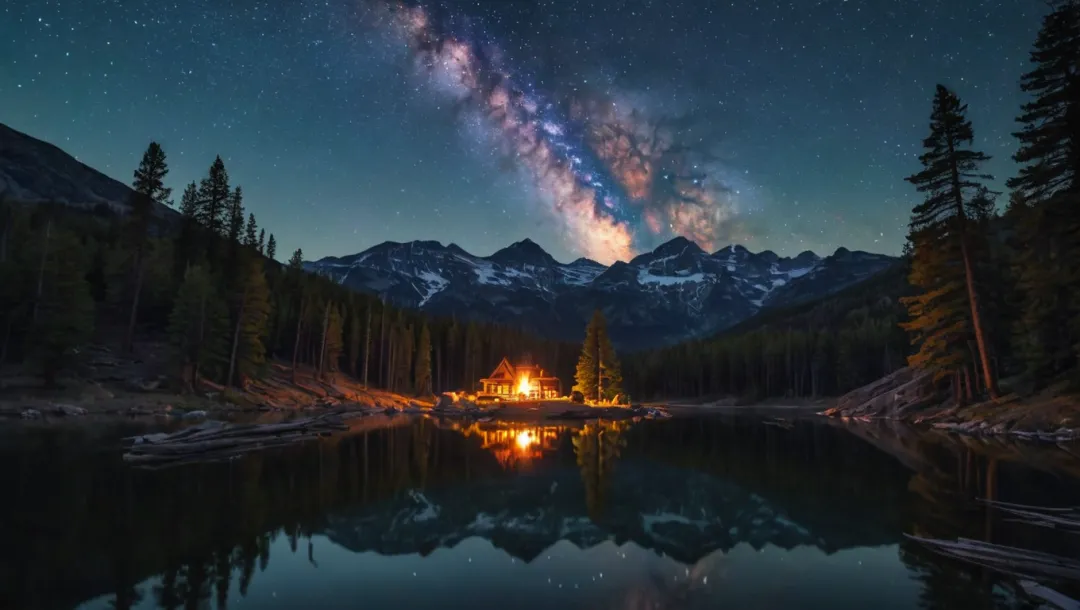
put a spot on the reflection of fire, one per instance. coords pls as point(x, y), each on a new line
point(524, 439)
point(523, 385)
point(515, 445)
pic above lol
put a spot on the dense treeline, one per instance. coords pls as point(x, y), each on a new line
point(986, 295)
point(206, 281)
point(823, 348)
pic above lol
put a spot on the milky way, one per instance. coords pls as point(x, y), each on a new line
point(593, 127)
point(605, 170)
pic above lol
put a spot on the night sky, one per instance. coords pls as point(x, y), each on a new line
point(597, 128)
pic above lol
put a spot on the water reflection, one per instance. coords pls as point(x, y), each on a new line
point(412, 513)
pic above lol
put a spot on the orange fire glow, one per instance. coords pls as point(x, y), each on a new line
point(523, 385)
point(524, 439)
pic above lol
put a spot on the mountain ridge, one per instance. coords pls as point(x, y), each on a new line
point(674, 293)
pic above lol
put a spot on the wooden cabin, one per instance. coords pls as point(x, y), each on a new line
point(521, 382)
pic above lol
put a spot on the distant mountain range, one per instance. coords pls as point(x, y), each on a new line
point(34, 171)
point(674, 293)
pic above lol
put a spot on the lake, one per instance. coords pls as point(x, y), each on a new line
point(705, 512)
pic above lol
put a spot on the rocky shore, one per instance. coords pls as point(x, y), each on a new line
point(1052, 414)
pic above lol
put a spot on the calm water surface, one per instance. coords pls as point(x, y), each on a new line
point(413, 513)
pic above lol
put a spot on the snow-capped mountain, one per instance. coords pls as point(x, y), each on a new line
point(674, 293)
point(680, 513)
point(34, 171)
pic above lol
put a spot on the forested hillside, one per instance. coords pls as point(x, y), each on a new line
point(212, 289)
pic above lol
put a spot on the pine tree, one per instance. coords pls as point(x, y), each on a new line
point(65, 308)
point(598, 376)
point(949, 179)
point(473, 354)
point(236, 216)
point(198, 326)
point(149, 179)
point(332, 343)
point(939, 322)
point(149, 190)
point(1048, 185)
point(355, 334)
point(262, 241)
point(271, 248)
point(297, 280)
point(187, 245)
point(248, 352)
point(422, 378)
point(214, 196)
point(251, 239)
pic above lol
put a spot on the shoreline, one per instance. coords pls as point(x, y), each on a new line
point(1051, 414)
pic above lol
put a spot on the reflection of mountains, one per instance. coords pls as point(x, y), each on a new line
point(673, 510)
point(679, 513)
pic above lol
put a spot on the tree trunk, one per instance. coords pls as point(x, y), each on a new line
point(322, 342)
point(7, 337)
point(236, 341)
point(367, 345)
point(8, 219)
point(969, 278)
point(41, 270)
point(976, 322)
point(436, 374)
point(202, 337)
point(129, 337)
point(969, 395)
point(383, 371)
point(296, 342)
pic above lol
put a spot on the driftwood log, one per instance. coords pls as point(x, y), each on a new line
point(1065, 519)
point(1033, 565)
point(214, 441)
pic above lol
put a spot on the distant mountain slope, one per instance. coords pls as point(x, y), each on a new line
point(34, 171)
point(674, 293)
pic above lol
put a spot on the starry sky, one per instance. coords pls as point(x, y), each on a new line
point(596, 128)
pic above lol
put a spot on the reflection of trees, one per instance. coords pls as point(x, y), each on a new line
point(952, 476)
point(597, 445)
point(79, 523)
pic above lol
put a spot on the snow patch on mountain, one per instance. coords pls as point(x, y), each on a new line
point(645, 277)
point(432, 285)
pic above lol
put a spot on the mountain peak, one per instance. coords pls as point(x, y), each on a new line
point(526, 252)
point(676, 245)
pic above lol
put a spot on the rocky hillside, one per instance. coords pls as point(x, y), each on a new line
point(34, 171)
point(674, 293)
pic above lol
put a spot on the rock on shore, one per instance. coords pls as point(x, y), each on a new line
point(895, 396)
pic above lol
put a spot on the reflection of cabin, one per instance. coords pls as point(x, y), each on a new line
point(525, 381)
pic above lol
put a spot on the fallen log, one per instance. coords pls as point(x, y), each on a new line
point(1010, 560)
point(1047, 594)
point(1067, 519)
point(224, 441)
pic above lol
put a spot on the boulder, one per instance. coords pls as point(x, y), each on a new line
point(894, 396)
point(444, 403)
point(31, 414)
point(66, 410)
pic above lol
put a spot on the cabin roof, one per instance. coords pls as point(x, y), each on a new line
point(509, 372)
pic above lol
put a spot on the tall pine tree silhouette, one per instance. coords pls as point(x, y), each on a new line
point(949, 179)
point(214, 195)
point(1048, 185)
point(150, 190)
